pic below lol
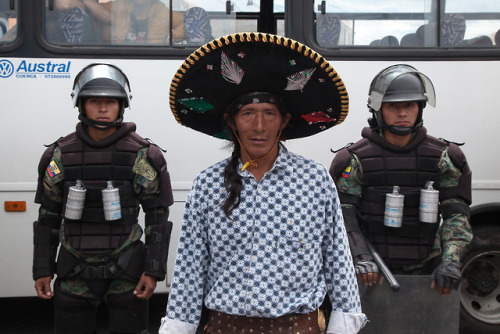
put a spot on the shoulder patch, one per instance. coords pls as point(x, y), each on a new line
point(52, 169)
point(346, 172)
point(145, 169)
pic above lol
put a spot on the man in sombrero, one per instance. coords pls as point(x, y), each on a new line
point(263, 238)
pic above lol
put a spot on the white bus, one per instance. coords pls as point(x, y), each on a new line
point(45, 43)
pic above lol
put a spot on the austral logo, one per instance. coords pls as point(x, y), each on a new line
point(6, 68)
point(34, 70)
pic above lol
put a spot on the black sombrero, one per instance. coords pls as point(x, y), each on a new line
point(213, 76)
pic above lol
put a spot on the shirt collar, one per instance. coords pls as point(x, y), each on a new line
point(282, 162)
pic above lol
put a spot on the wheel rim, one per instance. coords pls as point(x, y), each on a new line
point(480, 290)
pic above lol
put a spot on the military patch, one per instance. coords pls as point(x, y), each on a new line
point(145, 169)
point(347, 172)
point(52, 169)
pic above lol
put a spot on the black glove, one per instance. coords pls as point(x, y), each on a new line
point(447, 274)
point(365, 267)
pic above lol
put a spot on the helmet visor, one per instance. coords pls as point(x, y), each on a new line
point(385, 79)
point(100, 71)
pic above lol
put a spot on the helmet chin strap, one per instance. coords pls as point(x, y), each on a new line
point(402, 130)
point(100, 125)
point(397, 130)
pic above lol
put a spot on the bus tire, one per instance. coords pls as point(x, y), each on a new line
point(480, 289)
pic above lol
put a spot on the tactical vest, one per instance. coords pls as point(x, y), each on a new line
point(95, 163)
point(385, 165)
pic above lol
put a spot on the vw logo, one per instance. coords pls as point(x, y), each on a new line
point(6, 68)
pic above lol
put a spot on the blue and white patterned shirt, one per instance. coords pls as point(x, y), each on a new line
point(283, 250)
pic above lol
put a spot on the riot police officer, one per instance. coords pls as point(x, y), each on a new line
point(397, 151)
point(101, 257)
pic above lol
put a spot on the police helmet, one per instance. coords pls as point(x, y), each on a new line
point(399, 83)
point(405, 88)
point(101, 80)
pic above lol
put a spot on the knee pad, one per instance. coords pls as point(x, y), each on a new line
point(73, 314)
point(127, 313)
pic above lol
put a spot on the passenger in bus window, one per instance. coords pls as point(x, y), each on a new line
point(8, 22)
point(91, 185)
point(76, 21)
point(144, 22)
point(263, 240)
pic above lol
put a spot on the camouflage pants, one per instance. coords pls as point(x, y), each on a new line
point(79, 287)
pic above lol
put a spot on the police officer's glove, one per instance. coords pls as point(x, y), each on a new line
point(447, 274)
point(365, 267)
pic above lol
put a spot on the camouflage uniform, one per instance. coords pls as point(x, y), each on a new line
point(455, 232)
point(102, 260)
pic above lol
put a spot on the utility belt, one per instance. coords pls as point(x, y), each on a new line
point(128, 265)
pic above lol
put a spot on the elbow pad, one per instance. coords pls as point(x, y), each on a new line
point(158, 231)
point(449, 208)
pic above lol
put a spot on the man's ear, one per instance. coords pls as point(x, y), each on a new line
point(229, 122)
point(286, 119)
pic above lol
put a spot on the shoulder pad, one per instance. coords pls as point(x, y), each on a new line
point(456, 155)
point(339, 163)
point(46, 157)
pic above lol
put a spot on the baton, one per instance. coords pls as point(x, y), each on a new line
point(386, 272)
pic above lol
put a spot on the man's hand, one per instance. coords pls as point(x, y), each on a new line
point(367, 271)
point(446, 277)
point(145, 287)
point(42, 287)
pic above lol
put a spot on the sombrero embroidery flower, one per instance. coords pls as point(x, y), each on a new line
point(197, 104)
point(317, 117)
point(299, 80)
point(230, 70)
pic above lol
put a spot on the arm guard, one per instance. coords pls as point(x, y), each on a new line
point(46, 241)
point(359, 250)
point(158, 231)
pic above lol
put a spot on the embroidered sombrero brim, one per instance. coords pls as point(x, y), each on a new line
point(213, 76)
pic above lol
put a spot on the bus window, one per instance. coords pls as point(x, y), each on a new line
point(407, 23)
point(8, 21)
point(126, 22)
point(162, 23)
point(482, 21)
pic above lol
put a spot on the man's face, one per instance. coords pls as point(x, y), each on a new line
point(400, 113)
point(258, 126)
point(102, 109)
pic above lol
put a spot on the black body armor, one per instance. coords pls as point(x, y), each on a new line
point(385, 165)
